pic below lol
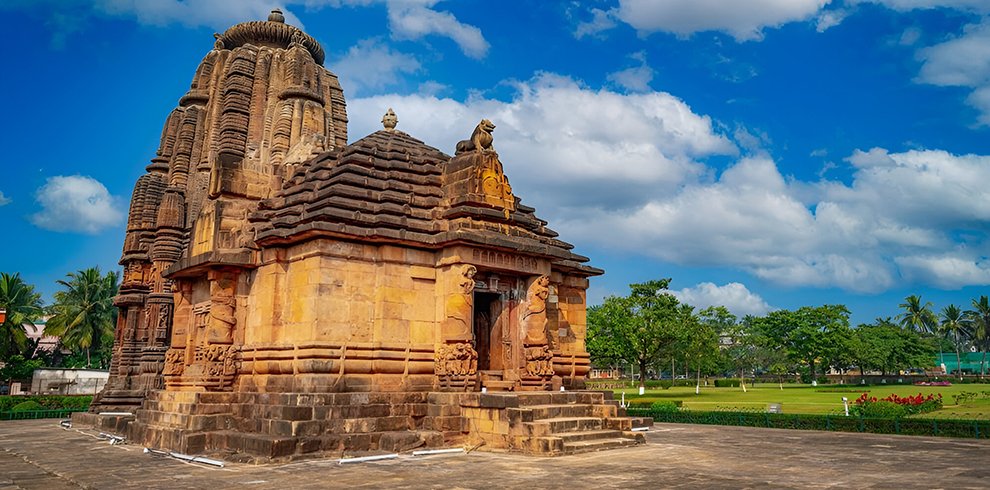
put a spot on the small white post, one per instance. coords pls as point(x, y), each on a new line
point(845, 404)
point(623, 403)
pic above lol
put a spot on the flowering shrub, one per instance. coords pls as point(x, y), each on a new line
point(933, 383)
point(871, 406)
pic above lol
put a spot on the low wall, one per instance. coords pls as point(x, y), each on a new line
point(48, 381)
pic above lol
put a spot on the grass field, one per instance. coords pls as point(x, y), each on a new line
point(823, 399)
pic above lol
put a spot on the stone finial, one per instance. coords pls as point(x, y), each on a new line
point(276, 16)
point(389, 120)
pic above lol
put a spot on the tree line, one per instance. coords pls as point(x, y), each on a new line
point(82, 316)
point(651, 330)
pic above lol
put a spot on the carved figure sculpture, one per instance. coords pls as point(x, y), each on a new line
point(460, 304)
point(481, 139)
point(539, 361)
point(458, 359)
point(534, 317)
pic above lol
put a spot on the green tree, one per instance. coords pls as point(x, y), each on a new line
point(809, 334)
point(17, 367)
point(954, 326)
point(639, 328)
point(83, 313)
point(698, 342)
point(887, 347)
point(23, 305)
point(917, 316)
point(980, 318)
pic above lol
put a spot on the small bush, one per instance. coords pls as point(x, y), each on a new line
point(666, 384)
point(727, 383)
point(48, 402)
point(27, 406)
point(664, 406)
point(880, 409)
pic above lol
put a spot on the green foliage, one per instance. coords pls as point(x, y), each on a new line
point(644, 328)
point(878, 409)
point(727, 383)
point(84, 315)
point(979, 318)
point(917, 316)
point(17, 367)
point(47, 402)
point(886, 347)
point(947, 428)
point(664, 406)
point(808, 334)
point(26, 406)
point(23, 305)
point(666, 384)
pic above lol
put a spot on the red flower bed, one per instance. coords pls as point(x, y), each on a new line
point(912, 404)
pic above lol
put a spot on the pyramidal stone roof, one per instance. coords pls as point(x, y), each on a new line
point(391, 187)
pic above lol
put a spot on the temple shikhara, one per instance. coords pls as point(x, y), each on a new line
point(287, 293)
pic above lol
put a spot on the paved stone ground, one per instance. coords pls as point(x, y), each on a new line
point(40, 454)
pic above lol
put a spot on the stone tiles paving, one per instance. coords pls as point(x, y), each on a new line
point(39, 454)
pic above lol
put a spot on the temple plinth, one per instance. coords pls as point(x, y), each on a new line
point(286, 292)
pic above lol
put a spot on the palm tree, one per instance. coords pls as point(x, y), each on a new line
point(955, 326)
point(980, 318)
point(917, 316)
point(23, 305)
point(83, 313)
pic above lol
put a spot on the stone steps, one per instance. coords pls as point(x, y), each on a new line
point(587, 446)
point(587, 435)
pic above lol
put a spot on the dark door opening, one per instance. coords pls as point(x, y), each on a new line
point(486, 309)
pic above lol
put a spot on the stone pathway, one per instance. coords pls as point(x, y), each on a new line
point(39, 454)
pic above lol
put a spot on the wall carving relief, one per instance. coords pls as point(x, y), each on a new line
point(539, 361)
point(459, 359)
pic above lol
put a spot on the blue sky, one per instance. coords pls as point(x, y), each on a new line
point(762, 153)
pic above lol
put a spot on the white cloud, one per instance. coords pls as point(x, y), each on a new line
point(963, 61)
point(565, 141)
point(75, 203)
point(408, 19)
point(742, 19)
point(413, 19)
point(4, 200)
point(734, 296)
point(628, 172)
point(372, 65)
point(636, 78)
point(601, 20)
point(828, 19)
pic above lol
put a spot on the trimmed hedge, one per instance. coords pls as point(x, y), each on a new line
point(979, 429)
point(47, 402)
point(727, 383)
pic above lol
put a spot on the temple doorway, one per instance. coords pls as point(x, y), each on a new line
point(487, 331)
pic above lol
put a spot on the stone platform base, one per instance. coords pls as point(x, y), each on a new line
point(266, 427)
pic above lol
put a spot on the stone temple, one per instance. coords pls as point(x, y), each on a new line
point(288, 293)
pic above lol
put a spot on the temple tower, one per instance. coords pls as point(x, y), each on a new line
point(259, 104)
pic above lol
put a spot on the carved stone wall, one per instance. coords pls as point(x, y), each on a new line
point(257, 96)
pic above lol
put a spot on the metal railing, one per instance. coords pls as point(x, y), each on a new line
point(39, 414)
point(978, 429)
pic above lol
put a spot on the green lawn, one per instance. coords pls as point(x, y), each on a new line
point(808, 399)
